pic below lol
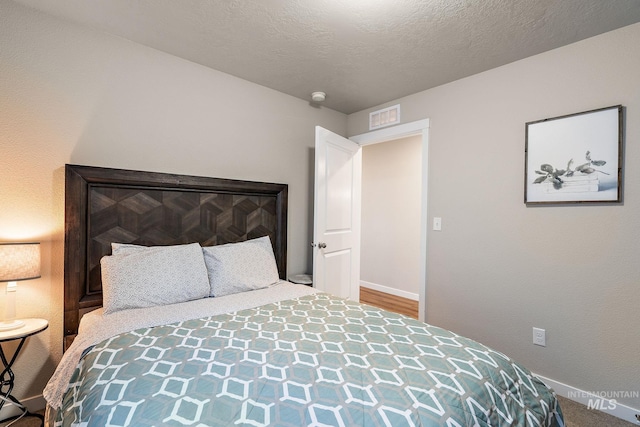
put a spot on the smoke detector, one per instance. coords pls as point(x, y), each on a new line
point(318, 96)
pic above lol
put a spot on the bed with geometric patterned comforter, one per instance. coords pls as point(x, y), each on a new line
point(312, 360)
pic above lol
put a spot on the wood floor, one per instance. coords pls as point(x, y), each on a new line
point(389, 302)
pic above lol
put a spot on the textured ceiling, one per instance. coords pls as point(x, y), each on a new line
point(360, 52)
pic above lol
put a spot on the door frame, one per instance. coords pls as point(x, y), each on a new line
point(419, 127)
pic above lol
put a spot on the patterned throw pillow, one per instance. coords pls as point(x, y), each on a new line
point(157, 275)
point(240, 267)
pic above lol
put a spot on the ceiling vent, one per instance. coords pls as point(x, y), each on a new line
point(385, 117)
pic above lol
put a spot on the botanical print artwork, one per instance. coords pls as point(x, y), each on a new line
point(575, 158)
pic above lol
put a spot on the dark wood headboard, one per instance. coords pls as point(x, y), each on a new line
point(148, 208)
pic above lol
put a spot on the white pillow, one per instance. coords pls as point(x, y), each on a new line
point(240, 267)
point(127, 248)
point(157, 275)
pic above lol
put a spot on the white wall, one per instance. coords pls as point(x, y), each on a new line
point(391, 206)
point(499, 268)
point(71, 95)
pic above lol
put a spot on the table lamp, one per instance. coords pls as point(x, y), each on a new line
point(18, 261)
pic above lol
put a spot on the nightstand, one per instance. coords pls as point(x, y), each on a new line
point(31, 327)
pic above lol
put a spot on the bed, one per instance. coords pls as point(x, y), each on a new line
point(177, 313)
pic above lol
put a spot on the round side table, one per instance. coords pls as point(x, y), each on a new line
point(7, 377)
point(302, 279)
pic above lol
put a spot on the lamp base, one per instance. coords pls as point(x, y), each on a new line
point(10, 325)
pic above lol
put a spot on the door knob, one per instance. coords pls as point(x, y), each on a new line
point(322, 245)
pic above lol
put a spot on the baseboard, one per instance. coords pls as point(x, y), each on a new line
point(33, 404)
point(604, 402)
point(388, 290)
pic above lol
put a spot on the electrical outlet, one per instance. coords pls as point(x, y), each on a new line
point(539, 337)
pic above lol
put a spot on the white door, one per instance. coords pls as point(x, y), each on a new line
point(336, 228)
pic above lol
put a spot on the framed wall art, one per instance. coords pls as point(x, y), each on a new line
point(575, 158)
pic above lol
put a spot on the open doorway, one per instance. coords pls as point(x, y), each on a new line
point(419, 129)
point(390, 224)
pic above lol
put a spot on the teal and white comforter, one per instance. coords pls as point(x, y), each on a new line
point(315, 360)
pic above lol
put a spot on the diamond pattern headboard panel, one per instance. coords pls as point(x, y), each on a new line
point(148, 208)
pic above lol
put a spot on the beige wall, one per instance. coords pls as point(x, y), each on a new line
point(391, 206)
point(498, 268)
point(70, 95)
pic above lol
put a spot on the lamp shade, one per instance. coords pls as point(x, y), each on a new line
point(19, 261)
